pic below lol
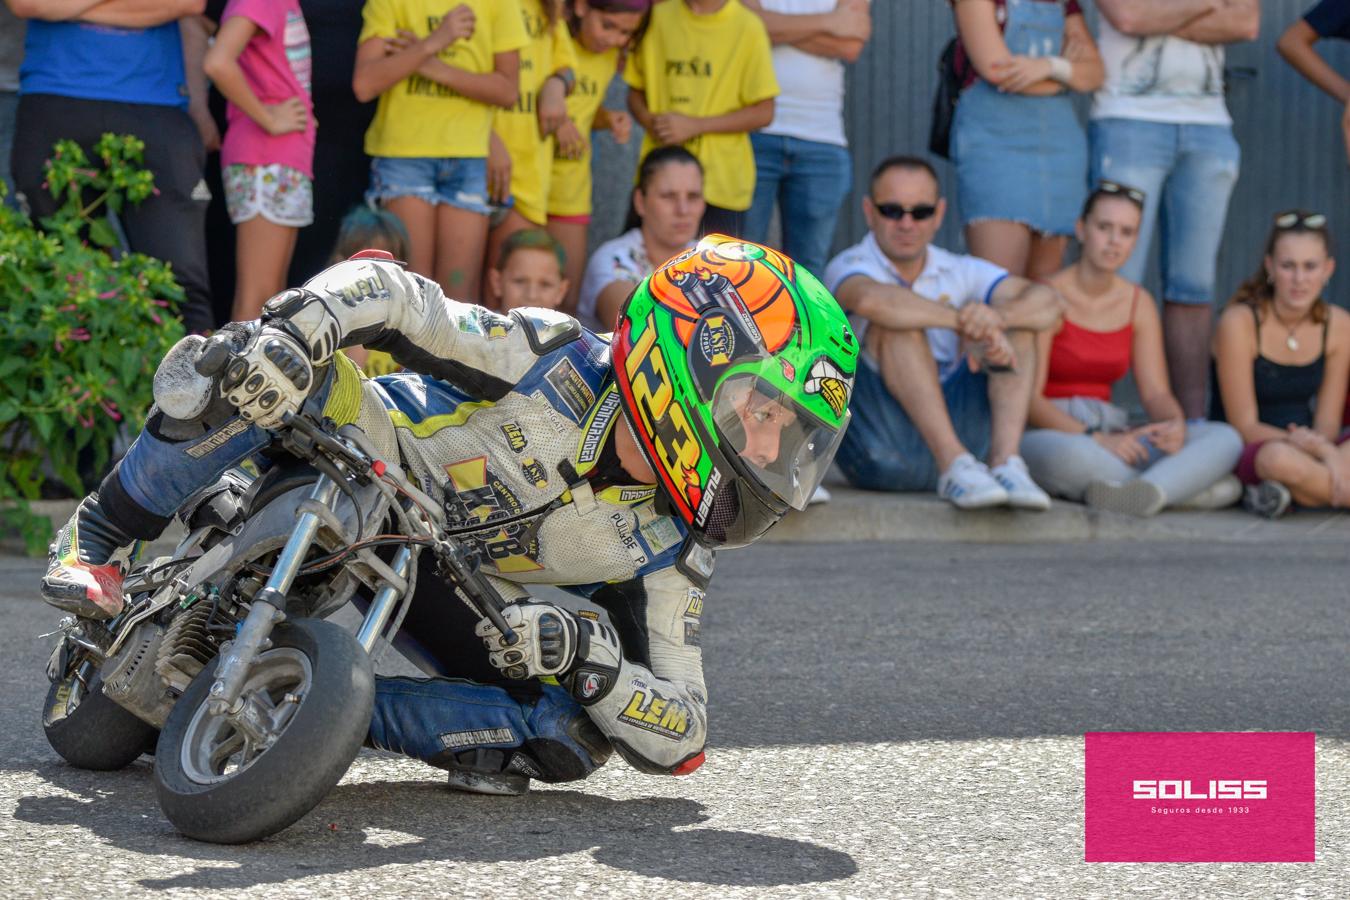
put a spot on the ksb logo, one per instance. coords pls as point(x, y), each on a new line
point(1182, 790)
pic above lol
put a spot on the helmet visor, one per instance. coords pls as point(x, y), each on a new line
point(779, 443)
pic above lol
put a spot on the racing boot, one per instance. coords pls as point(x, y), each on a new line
point(89, 559)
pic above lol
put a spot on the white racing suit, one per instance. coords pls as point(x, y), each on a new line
point(508, 424)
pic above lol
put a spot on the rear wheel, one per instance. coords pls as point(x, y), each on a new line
point(90, 731)
point(310, 697)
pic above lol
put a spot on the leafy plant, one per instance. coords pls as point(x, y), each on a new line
point(81, 329)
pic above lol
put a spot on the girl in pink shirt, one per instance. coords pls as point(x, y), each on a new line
point(261, 62)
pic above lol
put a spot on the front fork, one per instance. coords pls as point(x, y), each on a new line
point(267, 610)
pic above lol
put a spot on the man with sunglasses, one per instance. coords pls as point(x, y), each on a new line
point(949, 353)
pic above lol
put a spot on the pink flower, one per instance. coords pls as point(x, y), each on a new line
point(108, 295)
point(69, 307)
point(79, 334)
point(162, 303)
point(83, 397)
point(154, 317)
point(60, 347)
point(86, 421)
point(111, 409)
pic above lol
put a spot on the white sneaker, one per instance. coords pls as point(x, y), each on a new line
point(820, 496)
point(1023, 492)
point(968, 484)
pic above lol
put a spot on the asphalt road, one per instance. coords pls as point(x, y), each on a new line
point(888, 720)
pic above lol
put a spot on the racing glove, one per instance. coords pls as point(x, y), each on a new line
point(270, 377)
point(583, 655)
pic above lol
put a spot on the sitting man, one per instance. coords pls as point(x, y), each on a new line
point(614, 467)
point(922, 415)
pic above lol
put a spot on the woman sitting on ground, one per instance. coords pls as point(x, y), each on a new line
point(1080, 445)
point(1282, 357)
point(663, 222)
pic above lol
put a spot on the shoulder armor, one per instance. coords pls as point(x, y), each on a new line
point(547, 329)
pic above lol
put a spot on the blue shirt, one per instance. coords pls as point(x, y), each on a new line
point(1330, 18)
point(99, 62)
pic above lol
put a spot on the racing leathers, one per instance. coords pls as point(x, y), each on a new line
point(508, 422)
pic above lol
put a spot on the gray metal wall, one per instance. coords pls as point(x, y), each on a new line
point(1293, 154)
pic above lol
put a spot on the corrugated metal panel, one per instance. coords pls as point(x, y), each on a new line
point(1289, 131)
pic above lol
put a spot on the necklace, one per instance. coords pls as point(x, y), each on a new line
point(1291, 342)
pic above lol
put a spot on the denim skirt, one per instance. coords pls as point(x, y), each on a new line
point(1019, 159)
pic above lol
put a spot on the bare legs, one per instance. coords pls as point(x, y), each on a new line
point(508, 226)
point(572, 236)
point(1016, 247)
point(911, 375)
point(445, 243)
point(262, 255)
point(1308, 478)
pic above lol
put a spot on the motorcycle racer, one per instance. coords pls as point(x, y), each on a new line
point(611, 466)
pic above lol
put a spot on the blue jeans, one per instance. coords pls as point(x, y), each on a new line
point(1187, 173)
point(808, 180)
point(883, 451)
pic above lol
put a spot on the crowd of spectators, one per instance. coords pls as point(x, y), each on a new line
point(458, 136)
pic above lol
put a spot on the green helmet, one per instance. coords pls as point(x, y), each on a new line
point(734, 366)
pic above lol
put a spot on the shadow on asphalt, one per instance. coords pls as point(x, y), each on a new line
point(374, 824)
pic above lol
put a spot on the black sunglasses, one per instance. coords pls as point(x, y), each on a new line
point(1134, 195)
point(896, 212)
point(1314, 221)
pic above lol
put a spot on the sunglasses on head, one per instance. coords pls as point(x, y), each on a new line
point(896, 212)
point(1315, 221)
point(1134, 195)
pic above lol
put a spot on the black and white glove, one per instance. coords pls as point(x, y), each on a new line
point(551, 641)
point(270, 377)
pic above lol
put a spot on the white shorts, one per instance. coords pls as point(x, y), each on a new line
point(280, 194)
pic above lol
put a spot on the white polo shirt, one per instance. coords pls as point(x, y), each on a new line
point(622, 259)
point(947, 278)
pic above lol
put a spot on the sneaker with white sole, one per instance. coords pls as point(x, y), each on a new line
point(1023, 491)
point(1219, 495)
point(968, 484)
point(1135, 497)
point(1269, 499)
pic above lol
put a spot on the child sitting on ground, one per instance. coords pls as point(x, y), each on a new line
point(529, 272)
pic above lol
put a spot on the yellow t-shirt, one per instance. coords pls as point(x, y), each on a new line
point(549, 50)
point(421, 118)
point(569, 185)
point(707, 66)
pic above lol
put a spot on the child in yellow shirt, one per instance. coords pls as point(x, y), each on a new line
point(703, 77)
point(601, 30)
point(525, 129)
point(439, 73)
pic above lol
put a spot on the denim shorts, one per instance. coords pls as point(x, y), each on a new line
point(883, 451)
point(455, 181)
point(1187, 174)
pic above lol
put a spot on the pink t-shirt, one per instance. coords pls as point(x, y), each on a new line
point(276, 63)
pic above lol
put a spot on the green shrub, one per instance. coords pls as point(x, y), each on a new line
point(81, 332)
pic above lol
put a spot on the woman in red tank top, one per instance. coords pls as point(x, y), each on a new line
point(1078, 441)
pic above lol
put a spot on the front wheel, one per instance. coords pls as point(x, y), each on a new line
point(312, 692)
